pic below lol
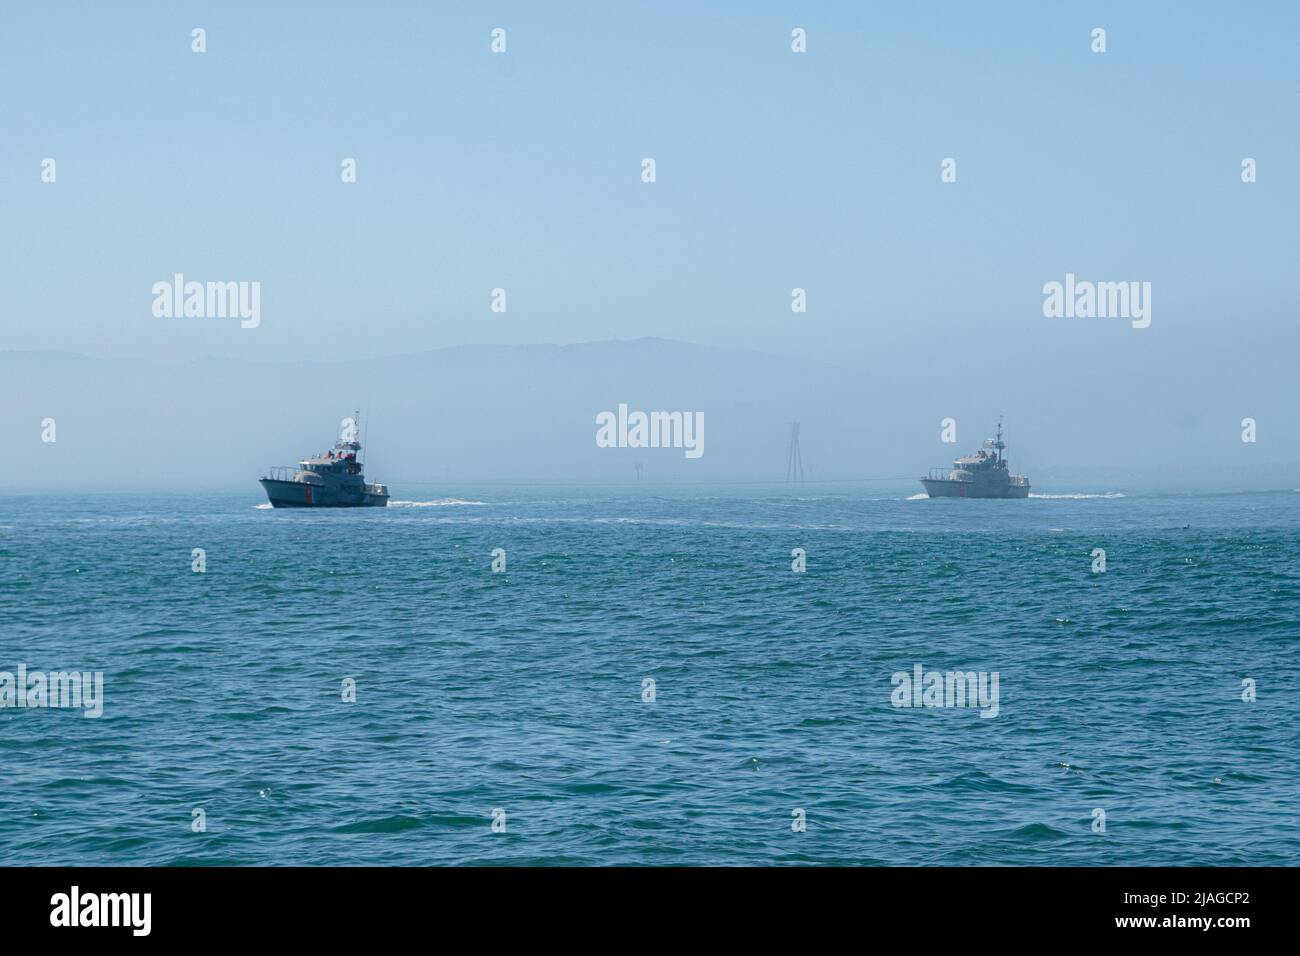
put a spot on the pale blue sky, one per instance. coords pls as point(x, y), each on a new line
point(775, 170)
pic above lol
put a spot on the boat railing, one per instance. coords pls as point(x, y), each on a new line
point(939, 474)
point(282, 473)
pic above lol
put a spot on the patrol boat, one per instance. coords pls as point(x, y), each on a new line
point(982, 475)
point(331, 480)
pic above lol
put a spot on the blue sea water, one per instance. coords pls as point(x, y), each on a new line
point(522, 691)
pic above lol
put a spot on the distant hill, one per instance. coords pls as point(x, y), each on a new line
point(520, 413)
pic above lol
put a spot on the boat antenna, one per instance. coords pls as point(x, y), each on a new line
point(366, 438)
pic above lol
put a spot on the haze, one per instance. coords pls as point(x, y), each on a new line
point(774, 171)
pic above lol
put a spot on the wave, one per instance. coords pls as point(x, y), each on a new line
point(1073, 497)
point(1079, 497)
point(435, 503)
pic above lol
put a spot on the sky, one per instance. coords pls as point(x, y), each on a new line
point(774, 170)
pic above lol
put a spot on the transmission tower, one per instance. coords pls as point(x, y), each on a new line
point(793, 457)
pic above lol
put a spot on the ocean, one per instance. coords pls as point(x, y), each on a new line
point(649, 682)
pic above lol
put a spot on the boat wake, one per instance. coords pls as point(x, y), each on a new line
point(1110, 494)
point(435, 503)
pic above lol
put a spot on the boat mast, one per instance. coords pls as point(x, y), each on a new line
point(358, 418)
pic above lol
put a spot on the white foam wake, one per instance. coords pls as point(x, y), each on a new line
point(917, 497)
point(435, 503)
point(1111, 494)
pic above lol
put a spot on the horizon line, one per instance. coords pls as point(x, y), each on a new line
point(639, 340)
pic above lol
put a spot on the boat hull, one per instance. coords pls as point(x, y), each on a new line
point(950, 488)
point(301, 494)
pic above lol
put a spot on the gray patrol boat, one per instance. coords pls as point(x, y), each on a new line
point(331, 480)
point(982, 475)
